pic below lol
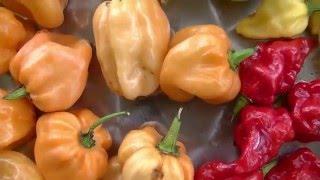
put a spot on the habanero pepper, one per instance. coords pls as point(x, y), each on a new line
point(72, 145)
point(273, 68)
point(53, 69)
point(278, 18)
point(302, 164)
point(259, 135)
point(46, 13)
point(144, 154)
point(304, 103)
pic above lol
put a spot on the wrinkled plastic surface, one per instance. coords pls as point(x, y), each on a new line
point(206, 130)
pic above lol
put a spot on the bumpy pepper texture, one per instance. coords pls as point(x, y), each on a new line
point(302, 164)
point(273, 69)
point(275, 19)
point(132, 39)
point(259, 135)
point(47, 13)
point(197, 65)
point(304, 102)
point(53, 68)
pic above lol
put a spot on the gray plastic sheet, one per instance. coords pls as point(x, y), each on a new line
point(207, 130)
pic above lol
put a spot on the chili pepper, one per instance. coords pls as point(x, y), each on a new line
point(16, 166)
point(276, 19)
point(113, 171)
point(199, 64)
point(53, 70)
point(47, 13)
point(144, 154)
point(273, 69)
point(304, 102)
point(13, 33)
point(18, 121)
point(72, 145)
point(259, 135)
point(132, 40)
point(301, 164)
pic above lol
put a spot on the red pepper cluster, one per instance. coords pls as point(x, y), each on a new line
point(261, 130)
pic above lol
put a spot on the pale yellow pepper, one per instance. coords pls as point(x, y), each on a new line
point(277, 18)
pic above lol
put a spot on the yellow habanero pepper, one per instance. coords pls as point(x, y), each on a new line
point(143, 154)
point(18, 121)
point(16, 166)
point(47, 13)
point(13, 33)
point(72, 146)
point(315, 19)
point(53, 68)
point(198, 65)
point(132, 40)
point(277, 18)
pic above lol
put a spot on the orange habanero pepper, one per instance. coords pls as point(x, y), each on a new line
point(53, 69)
point(72, 145)
point(47, 13)
point(18, 121)
point(198, 65)
point(13, 33)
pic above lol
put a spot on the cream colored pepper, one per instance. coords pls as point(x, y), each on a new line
point(132, 40)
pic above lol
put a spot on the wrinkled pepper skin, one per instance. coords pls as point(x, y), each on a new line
point(53, 68)
point(140, 159)
point(132, 40)
point(259, 135)
point(302, 164)
point(315, 20)
point(275, 19)
point(273, 69)
point(46, 13)
point(304, 102)
point(12, 34)
point(18, 122)
point(16, 166)
point(58, 152)
point(114, 169)
point(197, 66)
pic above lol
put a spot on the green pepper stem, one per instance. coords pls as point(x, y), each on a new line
point(269, 166)
point(86, 139)
point(236, 57)
point(17, 94)
point(312, 6)
point(168, 145)
point(241, 102)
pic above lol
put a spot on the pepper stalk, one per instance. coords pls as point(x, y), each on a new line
point(312, 6)
point(168, 145)
point(266, 168)
point(86, 139)
point(236, 57)
point(17, 94)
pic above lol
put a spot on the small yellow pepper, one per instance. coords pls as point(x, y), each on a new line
point(47, 13)
point(16, 166)
point(315, 20)
point(132, 40)
point(277, 18)
point(198, 65)
point(145, 155)
point(18, 121)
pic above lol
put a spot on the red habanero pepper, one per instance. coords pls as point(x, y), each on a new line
point(302, 164)
point(259, 135)
point(304, 102)
point(273, 68)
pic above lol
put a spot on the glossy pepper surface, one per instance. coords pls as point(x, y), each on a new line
point(47, 13)
point(18, 121)
point(53, 69)
point(16, 166)
point(72, 146)
point(259, 135)
point(144, 154)
point(12, 34)
point(304, 102)
point(132, 39)
point(302, 164)
point(276, 19)
point(197, 65)
point(273, 69)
